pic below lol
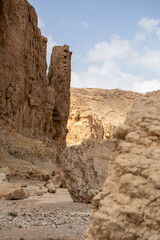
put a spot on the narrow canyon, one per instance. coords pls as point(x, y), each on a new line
point(75, 163)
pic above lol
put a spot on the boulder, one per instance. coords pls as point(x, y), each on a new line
point(85, 167)
point(51, 187)
point(10, 191)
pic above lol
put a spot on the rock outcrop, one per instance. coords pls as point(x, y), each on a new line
point(94, 113)
point(85, 167)
point(59, 79)
point(34, 107)
point(128, 207)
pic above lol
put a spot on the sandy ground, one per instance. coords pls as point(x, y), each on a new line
point(47, 217)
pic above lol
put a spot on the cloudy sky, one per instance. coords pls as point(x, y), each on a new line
point(115, 43)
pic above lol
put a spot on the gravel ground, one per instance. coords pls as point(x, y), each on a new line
point(51, 217)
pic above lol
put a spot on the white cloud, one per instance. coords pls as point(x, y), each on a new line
point(111, 76)
point(149, 25)
point(140, 37)
point(117, 49)
point(40, 23)
point(158, 33)
point(50, 44)
point(107, 76)
point(147, 86)
point(84, 24)
point(149, 59)
point(112, 65)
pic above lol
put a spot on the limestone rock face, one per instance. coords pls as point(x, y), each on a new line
point(128, 207)
point(34, 107)
point(94, 113)
point(31, 103)
point(85, 167)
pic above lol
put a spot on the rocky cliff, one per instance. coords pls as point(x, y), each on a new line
point(94, 113)
point(128, 207)
point(32, 105)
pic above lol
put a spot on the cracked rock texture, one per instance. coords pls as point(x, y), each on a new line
point(34, 107)
point(94, 113)
point(128, 207)
point(30, 102)
point(84, 168)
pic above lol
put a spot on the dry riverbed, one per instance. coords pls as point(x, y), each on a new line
point(47, 217)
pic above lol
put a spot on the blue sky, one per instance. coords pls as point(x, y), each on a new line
point(115, 43)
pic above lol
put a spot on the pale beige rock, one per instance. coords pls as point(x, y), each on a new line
point(121, 131)
point(3, 177)
point(58, 178)
point(132, 137)
point(51, 188)
point(128, 207)
point(4, 174)
point(85, 168)
point(94, 113)
point(9, 191)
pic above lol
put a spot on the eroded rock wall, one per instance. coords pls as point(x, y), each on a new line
point(83, 125)
point(94, 113)
point(34, 107)
point(28, 99)
point(128, 207)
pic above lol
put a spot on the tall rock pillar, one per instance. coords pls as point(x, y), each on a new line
point(59, 78)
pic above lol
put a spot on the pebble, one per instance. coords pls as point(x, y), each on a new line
point(77, 220)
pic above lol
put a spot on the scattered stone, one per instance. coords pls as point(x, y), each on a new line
point(73, 220)
point(58, 179)
point(39, 193)
point(51, 188)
